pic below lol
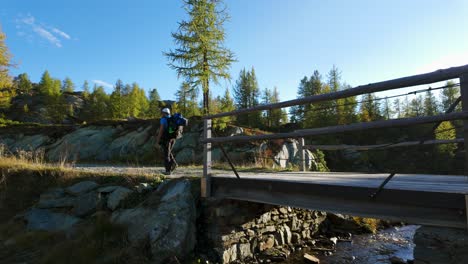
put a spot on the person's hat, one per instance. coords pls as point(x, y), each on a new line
point(166, 110)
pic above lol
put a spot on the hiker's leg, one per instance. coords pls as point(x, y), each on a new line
point(167, 156)
point(172, 160)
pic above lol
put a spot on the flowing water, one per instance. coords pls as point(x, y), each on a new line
point(367, 248)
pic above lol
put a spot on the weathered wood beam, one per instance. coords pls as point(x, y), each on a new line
point(344, 128)
point(383, 146)
point(205, 181)
point(427, 78)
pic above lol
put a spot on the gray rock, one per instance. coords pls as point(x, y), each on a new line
point(175, 232)
point(40, 219)
point(244, 251)
point(170, 227)
point(230, 254)
point(87, 204)
point(81, 187)
point(53, 194)
point(185, 156)
point(56, 203)
point(117, 196)
point(107, 189)
point(139, 221)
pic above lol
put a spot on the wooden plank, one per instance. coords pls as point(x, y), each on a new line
point(302, 154)
point(427, 78)
point(205, 181)
point(384, 146)
point(412, 207)
point(344, 128)
point(460, 187)
point(464, 98)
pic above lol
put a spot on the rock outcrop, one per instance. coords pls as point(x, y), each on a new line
point(135, 142)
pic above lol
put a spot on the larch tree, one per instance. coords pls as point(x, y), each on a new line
point(5, 56)
point(6, 90)
point(68, 86)
point(187, 100)
point(200, 56)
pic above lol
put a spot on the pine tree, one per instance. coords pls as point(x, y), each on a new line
point(416, 106)
point(449, 95)
point(68, 86)
point(49, 85)
point(187, 100)
point(246, 95)
point(387, 110)
point(85, 89)
point(334, 78)
point(155, 104)
point(226, 104)
point(22, 83)
point(116, 100)
point(397, 108)
point(201, 57)
point(430, 104)
point(370, 108)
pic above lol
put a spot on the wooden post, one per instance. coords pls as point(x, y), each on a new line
point(205, 181)
point(466, 210)
point(464, 98)
point(302, 155)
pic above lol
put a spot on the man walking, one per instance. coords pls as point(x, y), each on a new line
point(166, 140)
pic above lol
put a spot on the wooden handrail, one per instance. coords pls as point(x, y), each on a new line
point(426, 78)
point(384, 146)
point(344, 128)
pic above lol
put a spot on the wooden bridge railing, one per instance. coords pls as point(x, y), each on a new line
point(460, 72)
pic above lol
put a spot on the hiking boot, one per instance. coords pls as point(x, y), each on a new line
point(167, 173)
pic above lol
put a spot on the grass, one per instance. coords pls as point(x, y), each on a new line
point(23, 178)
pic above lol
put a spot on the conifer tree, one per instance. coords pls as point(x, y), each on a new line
point(116, 100)
point(430, 104)
point(187, 100)
point(155, 104)
point(246, 95)
point(201, 57)
point(68, 86)
point(5, 56)
point(449, 95)
point(22, 83)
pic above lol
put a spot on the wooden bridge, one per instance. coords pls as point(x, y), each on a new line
point(440, 200)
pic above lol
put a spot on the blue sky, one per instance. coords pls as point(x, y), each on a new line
point(368, 41)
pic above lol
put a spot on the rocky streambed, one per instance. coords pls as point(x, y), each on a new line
point(392, 245)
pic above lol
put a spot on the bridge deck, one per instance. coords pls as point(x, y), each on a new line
point(421, 199)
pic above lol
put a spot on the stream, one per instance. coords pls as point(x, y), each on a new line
point(367, 248)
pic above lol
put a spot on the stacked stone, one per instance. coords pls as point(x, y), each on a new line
point(242, 231)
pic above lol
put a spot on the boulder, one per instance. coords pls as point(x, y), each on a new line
point(87, 204)
point(185, 156)
point(41, 219)
point(56, 203)
point(107, 189)
point(81, 187)
point(170, 227)
point(175, 233)
point(117, 196)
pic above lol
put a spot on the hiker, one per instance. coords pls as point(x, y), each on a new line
point(166, 139)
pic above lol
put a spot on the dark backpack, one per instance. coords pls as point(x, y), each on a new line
point(175, 125)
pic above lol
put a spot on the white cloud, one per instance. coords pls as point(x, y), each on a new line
point(103, 83)
point(61, 33)
point(51, 34)
point(47, 35)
